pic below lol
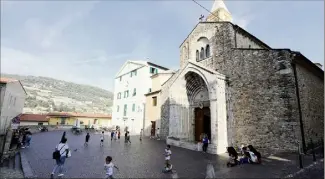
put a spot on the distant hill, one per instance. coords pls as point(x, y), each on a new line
point(51, 95)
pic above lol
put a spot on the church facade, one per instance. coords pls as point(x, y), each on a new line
point(238, 90)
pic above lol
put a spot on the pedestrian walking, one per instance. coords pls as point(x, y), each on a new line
point(119, 134)
point(168, 154)
point(112, 135)
point(60, 154)
point(109, 167)
point(205, 142)
point(102, 139)
point(115, 135)
point(127, 137)
point(87, 139)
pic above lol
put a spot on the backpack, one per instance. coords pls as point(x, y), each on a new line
point(56, 154)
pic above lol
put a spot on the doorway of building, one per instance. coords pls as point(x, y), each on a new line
point(202, 123)
point(153, 128)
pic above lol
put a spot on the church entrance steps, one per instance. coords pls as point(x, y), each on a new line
point(212, 148)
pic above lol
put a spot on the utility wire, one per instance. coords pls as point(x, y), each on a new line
point(204, 8)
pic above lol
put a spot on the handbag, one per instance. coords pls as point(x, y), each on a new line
point(69, 154)
point(56, 154)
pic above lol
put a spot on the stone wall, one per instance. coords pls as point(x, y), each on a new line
point(165, 106)
point(262, 95)
point(311, 92)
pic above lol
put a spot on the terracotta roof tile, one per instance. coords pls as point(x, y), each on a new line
point(73, 114)
point(7, 80)
point(34, 117)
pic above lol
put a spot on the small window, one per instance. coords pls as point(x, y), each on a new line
point(133, 107)
point(202, 54)
point(118, 109)
point(207, 51)
point(40, 124)
point(125, 109)
point(149, 90)
point(126, 94)
point(134, 73)
point(134, 92)
point(153, 70)
point(249, 46)
point(197, 55)
point(154, 101)
point(119, 95)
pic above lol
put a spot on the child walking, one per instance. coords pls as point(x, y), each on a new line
point(87, 139)
point(168, 153)
point(109, 167)
point(102, 139)
point(112, 135)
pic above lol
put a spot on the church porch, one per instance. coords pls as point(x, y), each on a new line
point(197, 106)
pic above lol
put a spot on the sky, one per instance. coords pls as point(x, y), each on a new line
point(87, 42)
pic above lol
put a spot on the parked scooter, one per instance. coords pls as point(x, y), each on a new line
point(43, 129)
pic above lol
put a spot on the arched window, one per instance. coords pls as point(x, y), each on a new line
point(207, 51)
point(197, 55)
point(202, 53)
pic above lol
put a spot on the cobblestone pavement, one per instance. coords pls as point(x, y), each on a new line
point(141, 159)
point(10, 173)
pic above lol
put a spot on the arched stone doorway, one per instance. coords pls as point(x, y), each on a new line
point(196, 104)
point(198, 99)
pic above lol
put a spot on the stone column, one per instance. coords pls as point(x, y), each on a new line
point(214, 123)
point(222, 141)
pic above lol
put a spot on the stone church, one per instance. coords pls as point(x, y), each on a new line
point(238, 90)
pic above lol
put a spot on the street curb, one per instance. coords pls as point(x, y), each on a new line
point(26, 167)
point(304, 169)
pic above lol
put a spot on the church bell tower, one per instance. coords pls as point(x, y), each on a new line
point(219, 12)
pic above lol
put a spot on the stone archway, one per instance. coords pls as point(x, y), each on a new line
point(199, 102)
point(197, 92)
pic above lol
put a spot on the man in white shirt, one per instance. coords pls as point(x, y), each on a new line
point(63, 148)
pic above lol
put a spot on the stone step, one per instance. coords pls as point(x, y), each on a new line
point(17, 162)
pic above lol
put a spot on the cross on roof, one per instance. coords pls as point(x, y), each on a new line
point(201, 17)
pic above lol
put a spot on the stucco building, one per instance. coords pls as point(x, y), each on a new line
point(12, 99)
point(131, 83)
point(238, 90)
point(34, 120)
point(84, 119)
point(152, 104)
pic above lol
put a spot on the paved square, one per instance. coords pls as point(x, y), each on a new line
point(136, 160)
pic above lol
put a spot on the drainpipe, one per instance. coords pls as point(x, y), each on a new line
point(299, 109)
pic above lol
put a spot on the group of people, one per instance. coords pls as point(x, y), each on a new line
point(21, 138)
point(249, 156)
point(62, 152)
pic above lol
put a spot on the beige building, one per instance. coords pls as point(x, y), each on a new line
point(12, 99)
point(34, 120)
point(152, 105)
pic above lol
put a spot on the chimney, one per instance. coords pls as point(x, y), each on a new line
point(319, 65)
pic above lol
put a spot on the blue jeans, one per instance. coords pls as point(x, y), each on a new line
point(244, 160)
point(59, 164)
point(27, 142)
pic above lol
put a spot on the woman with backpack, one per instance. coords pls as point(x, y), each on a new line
point(60, 154)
